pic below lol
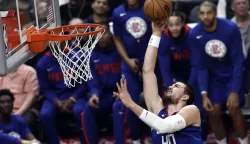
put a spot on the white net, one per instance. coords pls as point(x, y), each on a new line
point(74, 55)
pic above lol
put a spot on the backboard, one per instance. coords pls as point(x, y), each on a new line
point(14, 50)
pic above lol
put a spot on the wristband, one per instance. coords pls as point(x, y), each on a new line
point(204, 92)
point(154, 41)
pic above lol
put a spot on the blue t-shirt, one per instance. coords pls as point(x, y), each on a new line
point(12, 133)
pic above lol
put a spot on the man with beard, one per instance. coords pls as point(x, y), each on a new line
point(13, 128)
point(177, 123)
point(216, 48)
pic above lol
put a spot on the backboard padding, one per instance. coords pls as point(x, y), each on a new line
point(19, 53)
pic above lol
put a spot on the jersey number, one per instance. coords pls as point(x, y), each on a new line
point(168, 139)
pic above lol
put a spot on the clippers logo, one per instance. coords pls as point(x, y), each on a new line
point(136, 26)
point(168, 139)
point(216, 49)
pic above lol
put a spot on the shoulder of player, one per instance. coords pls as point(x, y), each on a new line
point(228, 24)
point(18, 118)
point(118, 10)
point(190, 108)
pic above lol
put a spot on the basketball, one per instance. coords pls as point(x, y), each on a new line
point(158, 10)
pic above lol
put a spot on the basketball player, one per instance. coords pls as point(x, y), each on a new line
point(106, 65)
point(217, 46)
point(132, 31)
point(177, 123)
point(60, 98)
point(13, 128)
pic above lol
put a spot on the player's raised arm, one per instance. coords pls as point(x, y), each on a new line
point(150, 87)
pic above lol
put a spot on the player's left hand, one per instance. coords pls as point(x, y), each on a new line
point(123, 93)
point(233, 101)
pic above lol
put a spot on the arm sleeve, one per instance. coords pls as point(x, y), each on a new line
point(237, 58)
point(44, 83)
point(198, 63)
point(164, 62)
point(6, 139)
point(117, 28)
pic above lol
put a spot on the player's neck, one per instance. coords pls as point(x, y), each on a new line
point(242, 18)
point(212, 28)
point(99, 18)
point(172, 108)
point(135, 6)
point(5, 118)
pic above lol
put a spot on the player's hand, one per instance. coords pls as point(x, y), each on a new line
point(35, 141)
point(233, 101)
point(133, 63)
point(68, 105)
point(158, 27)
point(207, 105)
point(123, 94)
point(59, 104)
point(93, 101)
point(25, 142)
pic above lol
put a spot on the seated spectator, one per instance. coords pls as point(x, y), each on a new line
point(24, 86)
point(75, 9)
point(106, 62)
point(100, 12)
point(59, 97)
point(13, 128)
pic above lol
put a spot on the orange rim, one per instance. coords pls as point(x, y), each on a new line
point(37, 39)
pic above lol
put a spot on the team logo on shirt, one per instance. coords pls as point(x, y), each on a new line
point(136, 26)
point(216, 49)
point(14, 134)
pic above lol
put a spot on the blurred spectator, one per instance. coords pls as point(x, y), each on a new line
point(106, 65)
point(218, 57)
point(75, 9)
point(59, 97)
point(6, 5)
point(13, 128)
point(24, 85)
point(100, 12)
point(242, 19)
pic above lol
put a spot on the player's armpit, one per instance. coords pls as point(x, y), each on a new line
point(191, 114)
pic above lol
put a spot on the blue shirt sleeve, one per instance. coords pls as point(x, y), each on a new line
point(237, 57)
point(44, 83)
point(117, 28)
point(94, 84)
point(6, 139)
point(198, 62)
point(164, 62)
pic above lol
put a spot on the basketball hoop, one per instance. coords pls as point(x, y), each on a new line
point(71, 45)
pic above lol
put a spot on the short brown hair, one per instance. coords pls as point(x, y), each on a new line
point(190, 92)
point(209, 4)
